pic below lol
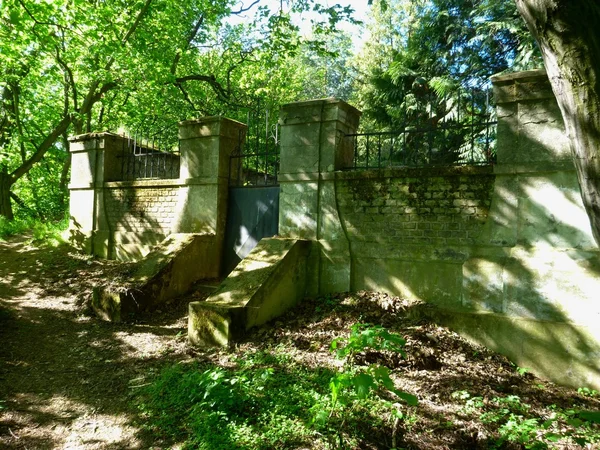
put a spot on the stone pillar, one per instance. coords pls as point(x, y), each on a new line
point(94, 161)
point(312, 149)
point(534, 169)
point(206, 146)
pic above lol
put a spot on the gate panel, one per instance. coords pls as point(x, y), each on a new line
point(252, 214)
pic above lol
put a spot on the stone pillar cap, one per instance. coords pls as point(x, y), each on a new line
point(504, 77)
point(89, 136)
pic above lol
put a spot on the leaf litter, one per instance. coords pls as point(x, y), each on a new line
point(69, 380)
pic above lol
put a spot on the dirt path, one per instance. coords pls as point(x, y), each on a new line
point(68, 381)
point(66, 378)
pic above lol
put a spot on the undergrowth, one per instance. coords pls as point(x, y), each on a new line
point(277, 395)
point(270, 400)
point(516, 422)
point(41, 232)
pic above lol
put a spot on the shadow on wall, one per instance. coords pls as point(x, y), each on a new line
point(524, 282)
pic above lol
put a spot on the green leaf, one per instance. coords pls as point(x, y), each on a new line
point(363, 383)
point(574, 422)
point(408, 398)
point(15, 18)
point(590, 416)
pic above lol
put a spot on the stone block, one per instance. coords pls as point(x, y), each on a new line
point(298, 210)
point(558, 351)
point(550, 284)
point(551, 212)
point(162, 276)
point(438, 283)
point(270, 280)
point(483, 285)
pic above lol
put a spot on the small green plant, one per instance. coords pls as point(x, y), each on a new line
point(42, 232)
point(12, 227)
point(516, 423)
point(355, 384)
point(587, 392)
point(471, 403)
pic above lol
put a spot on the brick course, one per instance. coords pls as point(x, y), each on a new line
point(141, 208)
point(441, 210)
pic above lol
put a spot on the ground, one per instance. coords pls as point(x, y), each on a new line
point(71, 381)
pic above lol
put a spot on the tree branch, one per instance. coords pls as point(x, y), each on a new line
point(243, 10)
point(186, 97)
point(68, 76)
point(59, 129)
point(211, 80)
point(131, 30)
point(189, 40)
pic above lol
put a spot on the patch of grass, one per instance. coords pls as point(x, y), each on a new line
point(518, 424)
point(265, 400)
point(13, 227)
point(48, 233)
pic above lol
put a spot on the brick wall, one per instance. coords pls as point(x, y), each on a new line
point(141, 208)
point(446, 206)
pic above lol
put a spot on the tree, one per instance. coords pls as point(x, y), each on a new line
point(437, 46)
point(73, 66)
point(567, 34)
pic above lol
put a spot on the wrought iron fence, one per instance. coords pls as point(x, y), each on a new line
point(256, 161)
point(454, 131)
point(144, 159)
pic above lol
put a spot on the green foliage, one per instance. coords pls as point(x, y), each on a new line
point(587, 392)
point(254, 405)
point(367, 337)
point(355, 384)
point(518, 424)
point(424, 51)
point(267, 399)
point(73, 67)
point(49, 233)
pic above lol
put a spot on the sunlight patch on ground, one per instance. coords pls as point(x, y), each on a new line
point(98, 431)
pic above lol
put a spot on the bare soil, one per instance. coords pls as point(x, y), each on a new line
point(66, 378)
point(69, 380)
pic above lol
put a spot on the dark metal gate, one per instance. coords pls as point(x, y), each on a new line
point(252, 214)
point(253, 206)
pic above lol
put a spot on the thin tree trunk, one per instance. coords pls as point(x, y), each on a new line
point(567, 32)
point(5, 204)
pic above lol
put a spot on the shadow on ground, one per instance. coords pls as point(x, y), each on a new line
point(66, 379)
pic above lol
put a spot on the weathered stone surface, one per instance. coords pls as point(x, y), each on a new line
point(270, 280)
point(163, 275)
point(511, 246)
point(560, 351)
point(118, 219)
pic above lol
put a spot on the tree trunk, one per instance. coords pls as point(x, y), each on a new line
point(568, 33)
point(5, 204)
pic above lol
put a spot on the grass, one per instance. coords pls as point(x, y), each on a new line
point(319, 380)
point(42, 232)
point(265, 400)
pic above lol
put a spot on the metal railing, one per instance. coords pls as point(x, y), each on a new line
point(143, 159)
point(255, 162)
point(450, 133)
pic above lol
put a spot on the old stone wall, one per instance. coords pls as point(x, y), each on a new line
point(141, 207)
point(443, 206)
point(126, 219)
point(505, 254)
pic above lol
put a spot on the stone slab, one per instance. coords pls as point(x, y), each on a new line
point(163, 275)
point(270, 280)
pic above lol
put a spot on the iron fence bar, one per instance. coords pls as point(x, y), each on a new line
point(379, 152)
point(420, 130)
